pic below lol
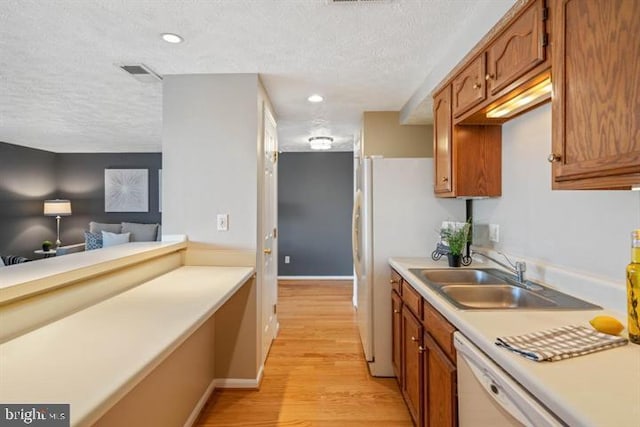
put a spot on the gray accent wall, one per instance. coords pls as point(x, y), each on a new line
point(81, 180)
point(315, 200)
point(29, 176)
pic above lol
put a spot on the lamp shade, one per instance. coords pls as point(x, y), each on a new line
point(57, 207)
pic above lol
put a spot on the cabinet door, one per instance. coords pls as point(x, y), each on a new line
point(442, 142)
point(519, 49)
point(468, 86)
point(441, 401)
point(412, 364)
point(396, 335)
point(596, 105)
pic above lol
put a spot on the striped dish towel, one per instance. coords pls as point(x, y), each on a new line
point(560, 343)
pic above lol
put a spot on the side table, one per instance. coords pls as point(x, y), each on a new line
point(47, 254)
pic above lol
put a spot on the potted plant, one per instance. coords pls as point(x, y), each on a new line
point(46, 245)
point(457, 240)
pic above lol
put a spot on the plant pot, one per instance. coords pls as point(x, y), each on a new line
point(46, 248)
point(454, 260)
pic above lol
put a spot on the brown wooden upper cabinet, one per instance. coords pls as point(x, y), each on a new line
point(520, 48)
point(468, 159)
point(596, 104)
point(442, 142)
point(469, 86)
point(505, 63)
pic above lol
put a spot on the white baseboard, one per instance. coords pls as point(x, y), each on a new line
point(315, 277)
point(222, 383)
point(240, 382)
point(203, 401)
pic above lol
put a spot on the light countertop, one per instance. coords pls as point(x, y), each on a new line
point(22, 280)
point(599, 389)
point(115, 343)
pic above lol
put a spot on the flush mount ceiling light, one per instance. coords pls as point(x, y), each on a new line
point(171, 38)
point(320, 142)
point(315, 98)
point(527, 99)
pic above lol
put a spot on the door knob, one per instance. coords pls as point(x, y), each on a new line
point(267, 251)
point(489, 77)
point(477, 86)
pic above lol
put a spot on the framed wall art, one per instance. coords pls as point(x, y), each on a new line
point(126, 190)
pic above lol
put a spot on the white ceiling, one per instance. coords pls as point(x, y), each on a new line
point(60, 89)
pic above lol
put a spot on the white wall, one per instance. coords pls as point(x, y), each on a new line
point(587, 232)
point(210, 123)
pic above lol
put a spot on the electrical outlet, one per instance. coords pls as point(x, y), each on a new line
point(494, 233)
point(287, 259)
point(222, 222)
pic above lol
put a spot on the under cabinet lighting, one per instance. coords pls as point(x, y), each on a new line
point(635, 187)
point(530, 97)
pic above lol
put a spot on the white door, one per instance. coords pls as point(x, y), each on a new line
point(269, 241)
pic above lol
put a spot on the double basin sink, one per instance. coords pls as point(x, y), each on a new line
point(490, 288)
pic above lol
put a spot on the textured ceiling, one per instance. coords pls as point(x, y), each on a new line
point(60, 88)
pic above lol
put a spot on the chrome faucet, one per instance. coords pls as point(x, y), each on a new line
point(518, 268)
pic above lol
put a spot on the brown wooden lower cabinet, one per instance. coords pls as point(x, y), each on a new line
point(412, 363)
point(396, 339)
point(439, 382)
point(425, 367)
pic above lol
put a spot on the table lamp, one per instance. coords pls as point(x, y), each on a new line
point(57, 208)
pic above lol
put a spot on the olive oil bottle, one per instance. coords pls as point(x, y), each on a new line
point(633, 289)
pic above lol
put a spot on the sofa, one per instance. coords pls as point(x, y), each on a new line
point(103, 234)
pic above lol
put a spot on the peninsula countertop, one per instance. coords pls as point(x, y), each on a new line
point(599, 389)
point(92, 358)
point(23, 280)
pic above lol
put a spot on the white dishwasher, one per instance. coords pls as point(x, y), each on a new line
point(488, 396)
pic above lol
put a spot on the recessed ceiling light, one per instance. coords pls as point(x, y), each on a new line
point(172, 38)
point(315, 98)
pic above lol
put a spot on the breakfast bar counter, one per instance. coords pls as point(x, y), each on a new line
point(94, 357)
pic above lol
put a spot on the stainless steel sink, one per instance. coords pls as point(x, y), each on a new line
point(494, 296)
point(493, 289)
point(461, 276)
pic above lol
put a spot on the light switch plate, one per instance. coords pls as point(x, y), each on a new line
point(287, 259)
point(222, 222)
point(494, 233)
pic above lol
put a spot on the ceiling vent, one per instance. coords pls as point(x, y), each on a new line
point(141, 73)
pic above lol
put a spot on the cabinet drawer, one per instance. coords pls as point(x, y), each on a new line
point(412, 299)
point(396, 282)
point(440, 329)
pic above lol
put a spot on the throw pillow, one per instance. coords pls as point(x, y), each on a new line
point(98, 227)
point(92, 240)
point(113, 239)
point(140, 232)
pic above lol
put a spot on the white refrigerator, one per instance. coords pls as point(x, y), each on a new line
point(395, 214)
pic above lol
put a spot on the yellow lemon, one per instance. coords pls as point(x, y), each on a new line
point(607, 324)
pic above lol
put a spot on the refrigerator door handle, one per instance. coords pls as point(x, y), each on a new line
point(355, 233)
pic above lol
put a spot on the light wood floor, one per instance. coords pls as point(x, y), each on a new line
point(315, 374)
